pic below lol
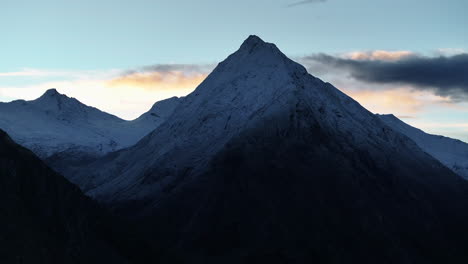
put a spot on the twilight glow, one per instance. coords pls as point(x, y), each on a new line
point(122, 56)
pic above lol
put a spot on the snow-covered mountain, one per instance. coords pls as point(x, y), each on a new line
point(265, 163)
point(158, 113)
point(453, 153)
point(55, 123)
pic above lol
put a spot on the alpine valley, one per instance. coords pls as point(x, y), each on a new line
point(261, 163)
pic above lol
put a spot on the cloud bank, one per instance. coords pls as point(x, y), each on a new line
point(429, 92)
point(446, 76)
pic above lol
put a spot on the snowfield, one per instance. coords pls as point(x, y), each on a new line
point(55, 123)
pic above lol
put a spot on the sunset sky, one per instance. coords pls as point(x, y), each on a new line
point(409, 58)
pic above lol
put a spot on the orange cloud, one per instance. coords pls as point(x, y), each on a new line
point(379, 55)
point(158, 80)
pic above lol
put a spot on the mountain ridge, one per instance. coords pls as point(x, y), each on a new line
point(263, 161)
point(453, 153)
point(54, 123)
point(196, 109)
point(67, 133)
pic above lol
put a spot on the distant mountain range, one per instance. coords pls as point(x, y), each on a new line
point(264, 163)
point(55, 123)
point(67, 134)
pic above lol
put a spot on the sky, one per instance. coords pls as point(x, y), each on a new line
point(408, 58)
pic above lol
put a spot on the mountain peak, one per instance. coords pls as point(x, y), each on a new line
point(253, 40)
point(51, 92)
point(255, 43)
point(256, 55)
point(52, 100)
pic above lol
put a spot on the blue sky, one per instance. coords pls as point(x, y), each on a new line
point(75, 45)
point(123, 34)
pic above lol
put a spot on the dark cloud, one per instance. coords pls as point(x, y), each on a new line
point(166, 68)
point(305, 2)
point(446, 76)
point(179, 67)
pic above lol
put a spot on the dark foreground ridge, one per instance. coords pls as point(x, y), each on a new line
point(46, 219)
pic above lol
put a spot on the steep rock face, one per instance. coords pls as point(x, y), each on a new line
point(266, 163)
point(452, 153)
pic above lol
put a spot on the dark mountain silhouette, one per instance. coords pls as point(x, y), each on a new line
point(46, 219)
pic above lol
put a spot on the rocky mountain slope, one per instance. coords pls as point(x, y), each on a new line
point(452, 153)
point(265, 163)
